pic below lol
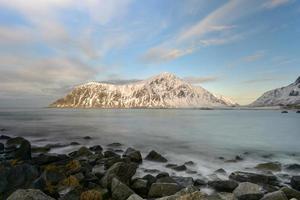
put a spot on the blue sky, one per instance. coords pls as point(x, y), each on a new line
point(237, 48)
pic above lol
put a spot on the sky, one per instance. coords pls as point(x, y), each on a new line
point(237, 48)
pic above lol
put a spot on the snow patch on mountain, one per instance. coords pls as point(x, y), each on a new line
point(162, 91)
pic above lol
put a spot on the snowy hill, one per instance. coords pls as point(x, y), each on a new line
point(289, 95)
point(162, 91)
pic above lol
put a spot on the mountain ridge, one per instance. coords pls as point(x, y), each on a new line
point(165, 90)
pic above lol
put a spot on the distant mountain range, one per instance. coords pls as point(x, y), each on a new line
point(285, 96)
point(162, 91)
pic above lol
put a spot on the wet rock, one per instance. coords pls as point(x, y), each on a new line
point(292, 167)
point(284, 111)
point(74, 143)
point(122, 171)
point(189, 171)
point(239, 158)
point(166, 179)
point(278, 195)
point(120, 191)
point(72, 193)
point(295, 182)
point(91, 195)
point(150, 179)
point(3, 129)
point(4, 137)
point(254, 178)
point(156, 157)
point(269, 166)
point(134, 197)
point(220, 171)
point(248, 191)
point(179, 168)
point(40, 149)
point(290, 193)
point(298, 111)
point(109, 154)
point(87, 137)
point(23, 148)
point(98, 170)
point(134, 155)
point(189, 163)
point(170, 165)
point(223, 185)
point(153, 171)
point(73, 167)
point(29, 194)
point(44, 159)
point(200, 182)
point(189, 193)
point(162, 174)
point(1, 147)
point(96, 148)
point(83, 151)
point(140, 186)
point(163, 189)
point(183, 181)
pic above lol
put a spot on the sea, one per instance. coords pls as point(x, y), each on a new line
point(209, 138)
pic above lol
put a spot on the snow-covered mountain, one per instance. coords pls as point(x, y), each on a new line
point(289, 95)
point(162, 91)
point(227, 100)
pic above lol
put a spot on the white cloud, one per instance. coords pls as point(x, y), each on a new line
point(254, 57)
point(270, 4)
point(198, 80)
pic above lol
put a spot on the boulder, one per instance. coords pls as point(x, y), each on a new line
point(183, 181)
point(179, 168)
point(278, 195)
point(166, 179)
point(1, 147)
point(163, 189)
point(23, 148)
point(254, 178)
point(150, 179)
point(200, 182)
point(189, 193)
point(248, 191)
point(115, 144)
point(162, 174)
point(290, 193)
point(96, 148)
point(156, 157)
point(83, 151)
point(140, 186)
point(29, 194)
point(220, 171)
point(293, 167)
point(295, 182)
point(134, 197)
point(134, 155)
point(109, 154)
point(120, 191)
point(91, 195)
point(44, 159)
point(122, 171)
point(4, 137)
point(87, 137)
point(223, 185)
point(269, 166)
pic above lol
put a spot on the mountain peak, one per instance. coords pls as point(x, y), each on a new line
point(298, 80)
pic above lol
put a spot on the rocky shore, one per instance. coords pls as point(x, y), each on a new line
point(97, 173)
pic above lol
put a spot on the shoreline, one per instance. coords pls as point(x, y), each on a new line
point(110, 172)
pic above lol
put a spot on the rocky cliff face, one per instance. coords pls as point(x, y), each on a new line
point(289, 95)
point(162, 91)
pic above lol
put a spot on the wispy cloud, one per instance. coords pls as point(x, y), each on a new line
point(217, 28)
point(201, 79)
point(270, 4)
point(260, 80)
point(254, 57)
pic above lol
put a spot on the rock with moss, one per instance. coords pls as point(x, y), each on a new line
point(23, 148)
point(269, 166)
point(248, 191)
point(163, 189)
point(156, 157)
point(278, 195)
point(120, 191)
point(133, 155)
point(91, 195)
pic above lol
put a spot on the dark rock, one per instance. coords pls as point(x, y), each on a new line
point(23, 148)
point(83, 151)
point(295, 182)
point(153, 171)
point(239, 158)
point(290, 193)
point(156, 157)
point(223, 185)
point(189, 163)
point(183, 181)
point(40, 149)
point(74, 143)
point(115, 144)
point(298, 111)
point(163, 189)
point(72, 193)
point(200, 182)
point(108, 154)
point(269, 166)
point(87, 137)
point(293, 167)
point(108, 162)
point(221, 158)
point(189, 193)
point(1, 147)
point(167, 179)
point(91, 195)
point(43, 159)
point(4, 137)
point(120, 191)
point(220, 171)
point(254, 178)
point(122, 171)
point(56, 145)
point(162, 174)
point(179, 168)
point(150, 179)
point(284, 111)
point(248, 191)
point(278, 195)
point(170, 165)
point(29, 194)
point(99, 171)
point(3, 129)
point(141, 187)
point(96, 148)
point(134, 155)
point(134, 197)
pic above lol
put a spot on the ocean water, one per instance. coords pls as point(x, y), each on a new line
point(180, 135)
